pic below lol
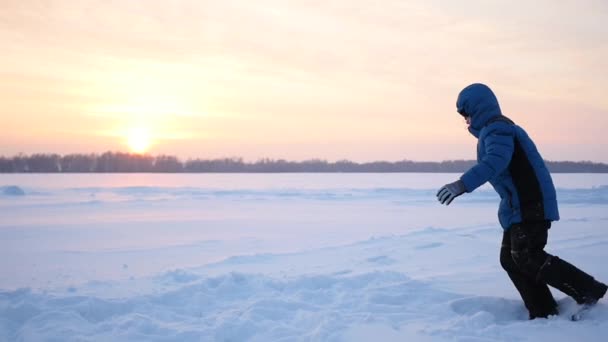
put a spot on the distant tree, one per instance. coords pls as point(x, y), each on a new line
point(78, 163)
point(124, 162)
point(105, 162)
point(215, 165)
point(140, 163)
point(44, 163)
point(344, 166)
point(167, 164)
point(127, 162)
point(572, 167)
point(6, 165)
point(20, 163)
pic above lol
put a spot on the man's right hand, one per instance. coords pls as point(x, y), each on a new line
point(448, 192)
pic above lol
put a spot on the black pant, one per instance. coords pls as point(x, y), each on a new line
point(531, 269)
point(522, 255)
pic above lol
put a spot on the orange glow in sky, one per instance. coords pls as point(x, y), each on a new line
point(139, 140)
point(345, 79)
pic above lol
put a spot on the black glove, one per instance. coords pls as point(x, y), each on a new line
point(448, 192)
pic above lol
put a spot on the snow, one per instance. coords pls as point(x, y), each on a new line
point(277, 257)
point(11, 190)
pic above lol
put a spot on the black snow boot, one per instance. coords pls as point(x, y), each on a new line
point(598, 291)
point(534, 314)
point(571, 281)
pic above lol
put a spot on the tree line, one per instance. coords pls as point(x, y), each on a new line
point(109, 162)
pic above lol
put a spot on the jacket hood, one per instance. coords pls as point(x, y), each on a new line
point(479, 102)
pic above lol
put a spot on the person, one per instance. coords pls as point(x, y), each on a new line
point(510, 161)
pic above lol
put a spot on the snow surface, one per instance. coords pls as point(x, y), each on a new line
point(11, 190)
point(277, 257)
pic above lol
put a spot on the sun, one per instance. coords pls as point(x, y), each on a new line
point(139, 140)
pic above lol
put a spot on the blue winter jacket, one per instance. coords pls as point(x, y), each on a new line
point(508, 159)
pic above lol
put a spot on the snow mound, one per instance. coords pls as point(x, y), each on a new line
point(230, 307)
point(253, 307)
point(11, 190)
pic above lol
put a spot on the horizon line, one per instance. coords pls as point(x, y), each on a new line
point(260, 159)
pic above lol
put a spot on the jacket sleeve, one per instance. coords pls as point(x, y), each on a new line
point(499, 145)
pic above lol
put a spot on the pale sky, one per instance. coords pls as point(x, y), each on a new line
point(343, 79)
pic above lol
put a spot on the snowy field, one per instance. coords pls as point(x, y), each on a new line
point(277, 257)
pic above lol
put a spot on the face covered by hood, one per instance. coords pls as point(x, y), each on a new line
point(479, 102)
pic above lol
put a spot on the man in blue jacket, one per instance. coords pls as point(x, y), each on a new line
point(509, 160)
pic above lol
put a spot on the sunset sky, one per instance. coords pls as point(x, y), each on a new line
point(342, 79)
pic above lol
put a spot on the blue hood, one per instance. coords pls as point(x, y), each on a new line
point(479, 102)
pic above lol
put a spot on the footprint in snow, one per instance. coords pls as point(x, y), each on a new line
point(497, 310)
point(429, 245)
point(381, 260)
